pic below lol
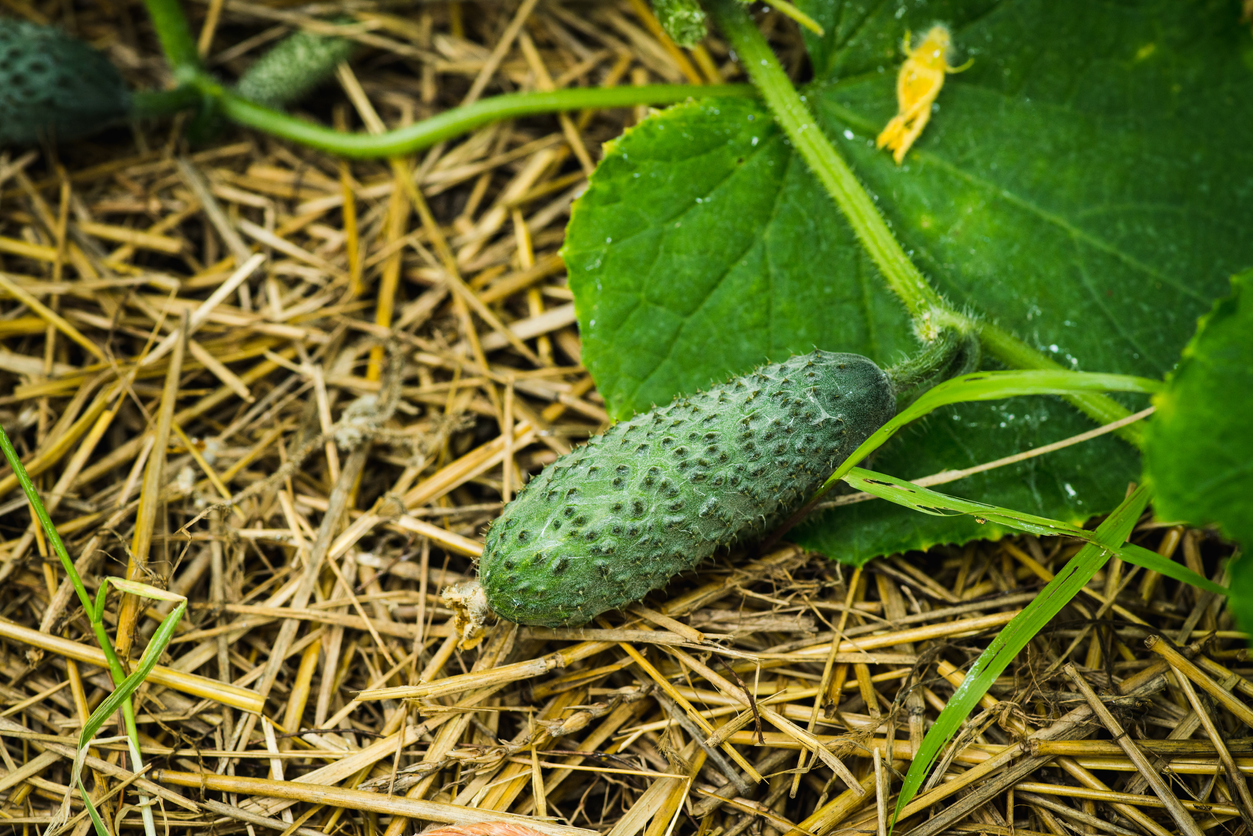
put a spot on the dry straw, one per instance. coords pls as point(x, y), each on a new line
point(296, 389)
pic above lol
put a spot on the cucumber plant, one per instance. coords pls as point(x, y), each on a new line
point(1051, 207)
point(1033, 214)
point(1036, 216)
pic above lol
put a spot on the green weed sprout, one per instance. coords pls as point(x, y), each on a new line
point(124, 685)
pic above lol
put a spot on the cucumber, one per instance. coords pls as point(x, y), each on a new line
point(683, 20)
point(54, 87)
point(294, 68)
point(655, 495)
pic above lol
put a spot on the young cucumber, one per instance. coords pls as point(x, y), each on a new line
point(296, 66)
point(54, 87)
point(654, 496)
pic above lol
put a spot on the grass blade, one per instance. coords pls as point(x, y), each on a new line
point(1154, 562)
point(96, 821)
point(121, 695)
point(160, 641)
point(991, 386)
point(935, 503)
point(932, 502)
point(45, 521)
point(1109, 536)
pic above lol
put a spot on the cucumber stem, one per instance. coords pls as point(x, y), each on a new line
point(174, 33)
point(447, 125)
point(954, 351)
point(792, 114)
point(903, 278)
point(152, 104)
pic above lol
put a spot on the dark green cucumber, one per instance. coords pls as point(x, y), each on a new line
point(654, 496)
point(54, 87)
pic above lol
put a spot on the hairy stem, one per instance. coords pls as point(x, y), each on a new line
point(793, 115)
point(924, 304)
point(951, 353)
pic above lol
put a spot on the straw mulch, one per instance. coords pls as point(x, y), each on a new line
point(367, 371)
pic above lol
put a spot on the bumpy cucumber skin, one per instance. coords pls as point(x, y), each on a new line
point(683, 20)
point(54, 87)
point(654, 496)
point(293, 68)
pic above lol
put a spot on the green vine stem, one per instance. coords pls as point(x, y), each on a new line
point(152, 104)
point(951, 353)
point(195, 85)
point(174, 33)
point(928, 309)
point(457, 121)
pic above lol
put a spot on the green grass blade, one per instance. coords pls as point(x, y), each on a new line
point(935, 503)
point(160, 641)
point(1109, 536)
point(1154, 562)
point(45, 521)
point(928, 501)
point(991, 386)
point(126, 685)
point(120, 700)
point(116, 671)
point(96, 821)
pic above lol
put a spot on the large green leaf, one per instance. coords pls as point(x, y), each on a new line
point(1085, 183)
point(1198, 453)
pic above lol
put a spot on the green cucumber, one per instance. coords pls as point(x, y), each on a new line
point(683, 20)
point(654, 496)
point(294, 68)
point(54, 87)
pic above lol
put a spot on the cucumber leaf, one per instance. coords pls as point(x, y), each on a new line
point(1077, 184)
point(1198, 452)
